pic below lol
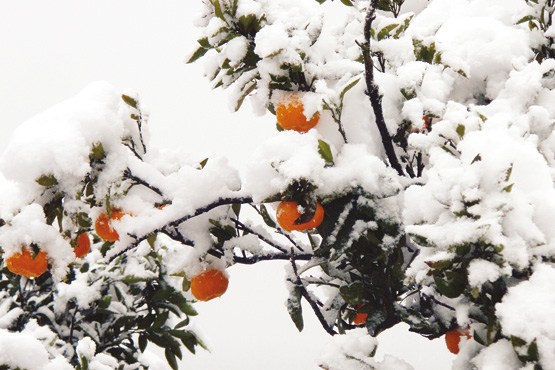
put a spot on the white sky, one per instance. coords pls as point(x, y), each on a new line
point(50, 50)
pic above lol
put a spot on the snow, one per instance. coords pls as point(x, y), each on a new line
point(481, 271)
point(526, 310)
point(353, 351)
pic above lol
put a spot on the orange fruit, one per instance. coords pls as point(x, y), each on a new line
point(360, 318)
point(25, 264)
point(288, 212)
point(208, 285)
point(83, 245)
point(103, 225)
point(453, 338)
point(290, 115)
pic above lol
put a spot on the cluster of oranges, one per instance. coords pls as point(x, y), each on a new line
point(205, 286)
point(30, 264)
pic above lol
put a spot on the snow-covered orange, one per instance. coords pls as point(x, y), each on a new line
point(290, 115)
point(26, 264)
point(209, 284)
point(453, 339)
point(103, 225)
point(288, 212)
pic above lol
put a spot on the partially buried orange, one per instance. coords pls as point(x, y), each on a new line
point(26, 264)
point(290, 115)
point(103, 225)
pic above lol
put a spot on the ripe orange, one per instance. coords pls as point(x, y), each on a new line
point(25, 264)
point(290, 115)
point(453, 338)
point(83, 245)
point(288, 212)
point(360, 318)
point(103, 225)
point(208, 285)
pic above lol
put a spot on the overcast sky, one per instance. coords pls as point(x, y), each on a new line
point(50, 50)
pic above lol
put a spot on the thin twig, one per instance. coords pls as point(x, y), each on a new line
point(260, 236)
point(373, 90)
point(313, 304)
point(129, 175)
point(271, 257)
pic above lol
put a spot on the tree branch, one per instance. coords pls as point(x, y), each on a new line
point(373, 91)
point(129, 175)
point(306, 295)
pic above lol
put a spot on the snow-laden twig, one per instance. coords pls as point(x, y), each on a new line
point(373, 90)
point(304, 292)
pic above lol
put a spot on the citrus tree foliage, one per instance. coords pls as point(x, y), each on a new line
point(433, 160)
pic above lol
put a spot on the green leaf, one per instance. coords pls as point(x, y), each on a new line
point(203, 163)
point(478, 158)
point(517, 341)
point(347, 2)
point(218, 10)
point(105, 302)
point(84, 220)
point(325, 151)
point(185, 284)
point(525, 19)
point(533, 352)
point(439, 265)
point(266, 216)
point(187, 309)
point(460, 130)
point(188, 339)
point(384, 32)
point(295, 309)
point(245, 93)
point(353, 293)
point(182, 323)
point(509, 172)
point(97, 152)
point(83, 363)
point(130, 101)
point(236, 208)
point(349, 86)
point(199, 53)
point(142, 342)
point(508, 188)
point(452, 284)
point(152, 239)
point(47, 181)
point(160, 320)
point(170, 357)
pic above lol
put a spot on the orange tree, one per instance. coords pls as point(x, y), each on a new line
point(412, 131)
